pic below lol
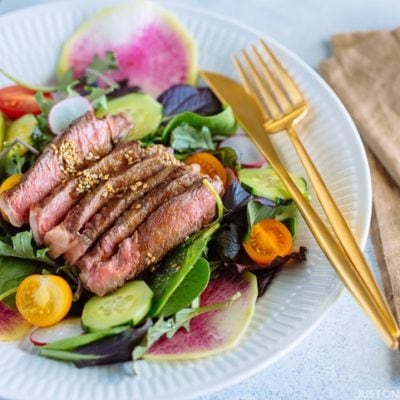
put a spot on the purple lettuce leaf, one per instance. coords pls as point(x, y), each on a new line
point(181, 98)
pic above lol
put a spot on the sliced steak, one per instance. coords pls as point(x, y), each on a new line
point(101, 221)
point(60, 238)
point(128, 222)
point(85, 141)
point(51, 210)
point(160, 233)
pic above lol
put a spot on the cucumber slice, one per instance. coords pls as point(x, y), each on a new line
point(128, 304)
point(2, 130)
point(145, 111)
point(265, 182)
point(21, 128)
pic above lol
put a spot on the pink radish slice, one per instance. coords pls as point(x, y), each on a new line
point(153, 48)
point(66, 111)
point(247, 152)
point(232, 178)
point(67, 328)
point(12, 325)
point(216, 331)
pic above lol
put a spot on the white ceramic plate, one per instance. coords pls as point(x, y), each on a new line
point(29, 44)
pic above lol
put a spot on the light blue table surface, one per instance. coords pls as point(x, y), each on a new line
point(343, 358)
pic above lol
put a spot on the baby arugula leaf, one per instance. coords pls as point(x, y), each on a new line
point(20, 246)
point(100, 65)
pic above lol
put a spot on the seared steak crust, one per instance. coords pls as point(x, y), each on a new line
point(128, 222)
point(84, 142)
point(164, 229)
point(106, 217)
point(60, 237)
point(51, 210)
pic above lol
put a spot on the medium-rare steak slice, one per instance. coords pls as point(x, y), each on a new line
point(60, 238)
point(85, 141)
point(51, 210)
point(128, 222)
point(101, 221)
point(163, 230)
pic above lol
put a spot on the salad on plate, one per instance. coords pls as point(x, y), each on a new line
point(137, 221)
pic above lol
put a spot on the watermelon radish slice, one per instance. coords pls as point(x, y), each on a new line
point(247, 152)
point(216, 331)
point(66, 111)
point(67, 328)
point(153, 49)
point(12, 325)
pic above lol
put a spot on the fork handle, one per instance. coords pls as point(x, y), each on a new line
point(328, 244)
point(341, 229)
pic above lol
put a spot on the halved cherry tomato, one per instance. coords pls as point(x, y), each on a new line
point(268, 239)
point(16, 101)
point(43, 300)
point(8, 184)
point(209, 165)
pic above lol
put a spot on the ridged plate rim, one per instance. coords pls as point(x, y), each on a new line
point(363, 173)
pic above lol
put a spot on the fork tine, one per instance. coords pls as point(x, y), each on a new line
point(248, 85)
point(263, 89)
point(278, 93)
point(287, 81)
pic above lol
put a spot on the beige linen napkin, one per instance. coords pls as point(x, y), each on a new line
point(365, 72)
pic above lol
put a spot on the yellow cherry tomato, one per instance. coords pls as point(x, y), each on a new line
point(8, 184)
point(43, 300)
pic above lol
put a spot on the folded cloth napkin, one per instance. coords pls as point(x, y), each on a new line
point(364, 70)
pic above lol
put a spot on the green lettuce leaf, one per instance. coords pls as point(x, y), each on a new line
point(20, 246)
point(185, 138)
point(172, 272)
point(223, 123)
point(190, 289)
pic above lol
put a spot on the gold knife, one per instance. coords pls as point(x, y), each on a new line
point(251, 120)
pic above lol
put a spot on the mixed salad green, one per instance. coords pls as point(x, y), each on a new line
point(212, 279)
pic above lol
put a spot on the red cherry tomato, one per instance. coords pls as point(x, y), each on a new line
point(16, 101)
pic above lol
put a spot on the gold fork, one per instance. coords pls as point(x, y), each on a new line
point(283, 103)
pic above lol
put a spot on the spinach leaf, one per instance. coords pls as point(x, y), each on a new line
point(14, 270)
point(223, 123)
point(191, 287)
point(186, 138)
point(20, 246)
point(171, 273)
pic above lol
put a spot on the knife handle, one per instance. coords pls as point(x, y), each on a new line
point(340, 227)
point(332, 250)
